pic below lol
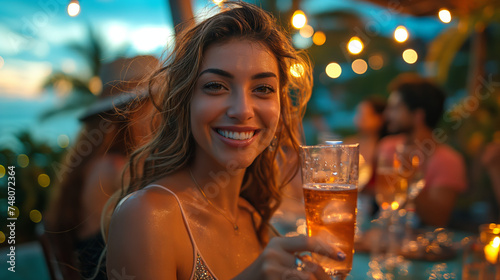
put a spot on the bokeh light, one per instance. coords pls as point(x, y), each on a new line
point(333, 70)
point(2, 237)
point(376, 61)
point(2, 171)
point(218, 2)
point(95, 85)
point(63, 87)
point(23, 160)
point(297, 70)
point(63, 141)
point(35, 216)
point(299, 19)
point(319, 38)
point(43, 180)
point(359, 66)
point(394, 205)
point(444, 15)
point(355, 45)
point(73, 8)
point(306, 31)
point(410, 56)
point(401, 34)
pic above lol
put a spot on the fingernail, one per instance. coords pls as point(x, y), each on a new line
point(341, 256)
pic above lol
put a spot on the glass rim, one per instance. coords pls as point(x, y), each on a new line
point(321, 146)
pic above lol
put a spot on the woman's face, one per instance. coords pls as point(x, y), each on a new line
point(235, 106)
point(366, 119)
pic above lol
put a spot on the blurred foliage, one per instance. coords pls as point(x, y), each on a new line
point(473, 120)
point(29, 194)
point(93, 52)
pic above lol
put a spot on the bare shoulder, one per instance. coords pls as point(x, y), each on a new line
point(148, 238)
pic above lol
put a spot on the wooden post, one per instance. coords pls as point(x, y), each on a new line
point(181, 12)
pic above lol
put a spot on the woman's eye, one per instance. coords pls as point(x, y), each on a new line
point(213, 86)
point(265, 89)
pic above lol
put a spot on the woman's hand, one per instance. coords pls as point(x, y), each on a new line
point(278, 260)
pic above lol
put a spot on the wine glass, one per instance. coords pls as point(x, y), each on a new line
point(411, 165)
point(391, 193)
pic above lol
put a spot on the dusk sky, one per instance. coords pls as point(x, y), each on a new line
point(35, 34)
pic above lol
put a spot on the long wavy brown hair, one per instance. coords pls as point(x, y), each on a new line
point(171, 88)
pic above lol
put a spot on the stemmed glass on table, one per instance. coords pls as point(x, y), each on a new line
point(399, 180)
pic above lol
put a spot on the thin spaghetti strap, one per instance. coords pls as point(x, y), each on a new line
point(180, 206)
point(195, 248)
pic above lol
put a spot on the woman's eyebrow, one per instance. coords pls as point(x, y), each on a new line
point(264, 75)
point(229, 75)
point(217, 72)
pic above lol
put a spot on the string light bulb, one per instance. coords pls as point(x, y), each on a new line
point(410, 56)
point(333, 70)
point(401, 34)
point(444, 15)
point(299, 19)
point(73, 8)
point(355, 45)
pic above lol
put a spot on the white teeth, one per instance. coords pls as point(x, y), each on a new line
point(236, 135)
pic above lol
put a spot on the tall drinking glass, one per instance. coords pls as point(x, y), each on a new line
point(330, 179)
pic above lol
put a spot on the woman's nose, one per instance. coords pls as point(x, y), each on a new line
point(241, 106)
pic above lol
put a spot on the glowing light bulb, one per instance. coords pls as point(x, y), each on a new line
point(333, 70)
point(73, 8)
point(299, 19)
point(355, 45)
point(444, 15)
point(359, 66)
point(319, 38)
point(401, 34)
point(410, 56)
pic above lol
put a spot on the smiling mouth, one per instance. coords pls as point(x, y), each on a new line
point(234, 135)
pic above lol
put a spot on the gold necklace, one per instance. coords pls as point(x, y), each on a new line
point(235, 226)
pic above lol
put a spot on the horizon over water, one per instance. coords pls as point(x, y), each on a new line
point(19, 115)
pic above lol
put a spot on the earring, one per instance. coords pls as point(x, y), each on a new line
point(274, 143)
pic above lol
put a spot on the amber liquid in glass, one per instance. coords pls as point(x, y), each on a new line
point(331, 214)
point(391, 189)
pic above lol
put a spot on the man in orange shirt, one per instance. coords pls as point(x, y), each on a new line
point(415, 107)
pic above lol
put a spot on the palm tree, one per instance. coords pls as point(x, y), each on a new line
point(83, 90)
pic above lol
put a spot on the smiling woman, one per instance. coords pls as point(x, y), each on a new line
point(202, 191)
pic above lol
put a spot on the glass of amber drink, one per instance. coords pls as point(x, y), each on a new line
point(330, 180)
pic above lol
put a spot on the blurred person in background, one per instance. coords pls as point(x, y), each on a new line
point(93, 167)
point(371, 127)
point(414, 108)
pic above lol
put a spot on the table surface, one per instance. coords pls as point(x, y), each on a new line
point(30, 264)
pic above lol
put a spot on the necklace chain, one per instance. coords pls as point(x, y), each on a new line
point(233, 223)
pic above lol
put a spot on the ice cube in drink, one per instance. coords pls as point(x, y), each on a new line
point(331, 214)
